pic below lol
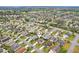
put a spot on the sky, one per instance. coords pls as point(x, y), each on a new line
point(39, 3)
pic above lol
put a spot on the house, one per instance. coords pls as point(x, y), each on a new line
point(56, 48)
point(33, 37)
point(62, 43)
point(48, 44)
point(24, 33)
point(40, 41)
point(15, 46)
point(10, 42)
point(47, 36)
point(5, 39)
point(21, 50)
point(58, 33)
point(67, 35)
point(39, 35)
point(53, 39)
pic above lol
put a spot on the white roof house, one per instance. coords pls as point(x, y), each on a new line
point(65, 36)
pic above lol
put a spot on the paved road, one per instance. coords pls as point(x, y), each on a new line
point(73, 44)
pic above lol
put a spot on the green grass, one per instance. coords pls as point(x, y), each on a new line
point(23, 45)
point(22, 37)
point(32, 41)
point(29, 49)
point(7, 48)
point(76, 49)
point(71, 37)
point(64, 32)
point(62, 50)
point(56, 43)
point(31, 34)
point(38, 45)
point(53, 33)
point(17, 41)
point(46, 49)
point(78, 40)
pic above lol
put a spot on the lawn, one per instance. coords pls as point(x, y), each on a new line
point(64, 48)
point(71, 37)
point(18, 41)
point(22, 38)
point(46, 49)
point(32, 41)
point(78, 40)
point(66, 45)
point(29, 49)
point(7, 48)
point(52, 46)
point(23, 45)
point(76, 49)
point(63, 33)
point(56, 43)
point(38, 45)
point(53, 33)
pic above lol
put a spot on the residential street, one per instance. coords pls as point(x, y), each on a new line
point(73, 44)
